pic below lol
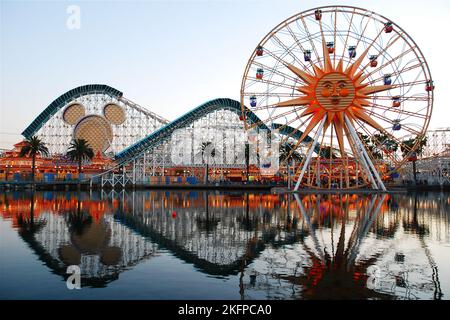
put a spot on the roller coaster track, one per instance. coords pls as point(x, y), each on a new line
point(164, 133)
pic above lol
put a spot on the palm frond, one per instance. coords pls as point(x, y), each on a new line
point(80, 149)
point(34, 146)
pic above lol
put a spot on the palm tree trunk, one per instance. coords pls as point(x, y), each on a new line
point(79, 175)
point(79, 205)
point(207, 206)
point(414, 172)
point(247, 171)
point(32, 209)
point(33, 167)
point(247, 161)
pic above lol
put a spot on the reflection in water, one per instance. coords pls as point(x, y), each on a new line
point(280, 246)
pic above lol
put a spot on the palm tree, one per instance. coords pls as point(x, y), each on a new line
point(33, 147)
point(370, 144)
point(288, 153)
point(328, 152)
point(384, 142)
point(407, 146)
point(80, 150)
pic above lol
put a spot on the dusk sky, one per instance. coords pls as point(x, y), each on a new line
point(168, 56)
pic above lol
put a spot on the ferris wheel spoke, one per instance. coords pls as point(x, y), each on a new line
point(297, 42)
point(286, 125)
point(379, 144)
point(359, 40)
point(403, 98)
point(271, 82)
point(409, 84)
point(274, 55)
point(396, 73)
point(301, 101)
point(283, 62)
point(334, 37)
point(263, 122)
point(348, 33)
point(299, 141)
point(407, 128)
point(275, 94)
point(280, 105)
point(289, 51)
point(311, 40)
point(397, 110)
point(361, 34)
point(263, 107)
point(390, 61)
point(400, 85)
point(295, 131)
point(276, 71)
point(364, 54)
point(383, 51)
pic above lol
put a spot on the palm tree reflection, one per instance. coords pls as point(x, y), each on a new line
point(276, 247)
point(88, 238)
point(27, 226)
point(207, 223)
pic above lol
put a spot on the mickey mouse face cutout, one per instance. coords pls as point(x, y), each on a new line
point(95, 129)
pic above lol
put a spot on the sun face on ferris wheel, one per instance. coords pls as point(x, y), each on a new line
point(332, 93)
point(352, 82)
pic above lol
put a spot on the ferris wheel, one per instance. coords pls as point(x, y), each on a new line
point(352, 81)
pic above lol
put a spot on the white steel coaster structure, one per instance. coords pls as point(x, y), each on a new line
point(213, 126)
point(437, 143)
point(433, 163)
point(98, 113)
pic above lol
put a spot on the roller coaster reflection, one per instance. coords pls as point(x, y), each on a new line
point(315, 247)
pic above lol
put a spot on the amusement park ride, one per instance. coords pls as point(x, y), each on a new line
point(343, 87)
point(353, 80)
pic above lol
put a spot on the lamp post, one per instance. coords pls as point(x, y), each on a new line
point(288, 164)
point(7, 171)
point(247, 160)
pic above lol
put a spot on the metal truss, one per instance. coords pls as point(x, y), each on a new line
point(142, 143)
point(56, 235)
point(217, 122)
point(433, 164)
point(438, 143)
point(216, 127)
point(57, 134)
point(430, 171)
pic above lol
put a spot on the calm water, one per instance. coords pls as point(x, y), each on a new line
point(210, 245)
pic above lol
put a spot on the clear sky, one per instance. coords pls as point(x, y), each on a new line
point(168, 56)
